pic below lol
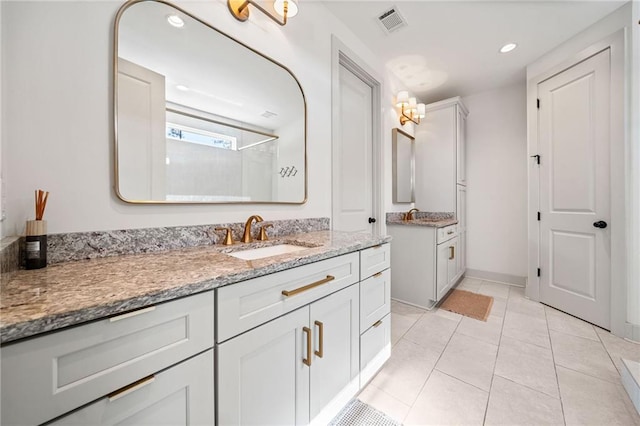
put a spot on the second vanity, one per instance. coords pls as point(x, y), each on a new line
point(427, 258)
point(197, 336)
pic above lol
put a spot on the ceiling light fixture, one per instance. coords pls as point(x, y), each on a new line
point(285, 8)
point(409, 108)
point(175, 21)
point(508, 47)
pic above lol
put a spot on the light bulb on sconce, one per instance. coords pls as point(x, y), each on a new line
point(285, 8)
point(410, 109)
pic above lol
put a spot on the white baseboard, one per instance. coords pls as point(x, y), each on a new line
point(631, 381)
point(497, 277)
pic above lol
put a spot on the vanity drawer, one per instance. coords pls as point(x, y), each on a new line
point(247, 304)
point(447, 233)
point(375, 349)
point(374, 260)
point(375, 298)
point(184, 391)
point(61, 371)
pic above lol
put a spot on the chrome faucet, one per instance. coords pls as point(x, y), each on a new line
point(246, 237)
point(409, 215)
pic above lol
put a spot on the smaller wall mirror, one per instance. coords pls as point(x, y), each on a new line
point(403, 167)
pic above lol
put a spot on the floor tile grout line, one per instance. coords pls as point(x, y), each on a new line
point(493, 375)
point(555, 369)
point(530, 388)
point(462, 381)
point(434, 368)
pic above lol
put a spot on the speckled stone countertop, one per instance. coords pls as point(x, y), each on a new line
point(70, 293)
point(434, 220)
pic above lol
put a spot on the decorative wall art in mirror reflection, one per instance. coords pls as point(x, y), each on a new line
point(403, 167)
point(200, 117)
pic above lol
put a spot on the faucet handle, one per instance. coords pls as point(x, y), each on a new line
point(228, 239)
point(263, 233)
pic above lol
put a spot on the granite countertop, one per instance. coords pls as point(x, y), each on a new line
point(65, 294)
point(434, 223)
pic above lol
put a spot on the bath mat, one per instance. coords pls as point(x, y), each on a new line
point(357, 413)
point(472, 305)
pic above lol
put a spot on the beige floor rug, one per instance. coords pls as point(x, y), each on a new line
point(472, 305)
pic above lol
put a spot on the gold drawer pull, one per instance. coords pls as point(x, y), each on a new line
point(377, 247)
point(379, 274)
point(132, 314)
point(320, 351)
point(377, 323)
point(288, 293)
point(450, 232)
point(131, 388)
point(307, 360)
point(452, 252)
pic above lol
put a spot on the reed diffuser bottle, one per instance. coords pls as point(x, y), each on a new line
point(36, 235)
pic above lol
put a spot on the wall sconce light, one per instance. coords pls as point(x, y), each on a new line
point(410, 110)
point(285, 8)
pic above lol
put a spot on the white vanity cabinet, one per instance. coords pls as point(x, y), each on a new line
point(50, 375)
point(295, 358)
point(425, 263)
point(375, 310)
point(288, 370)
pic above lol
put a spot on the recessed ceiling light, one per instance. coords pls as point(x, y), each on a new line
point(508, 47)
point(175, 20)
point(183, 88)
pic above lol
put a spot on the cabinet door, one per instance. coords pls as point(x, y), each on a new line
point(375, 299)
point(442, 270)
point(461, 148)
point(462, 248)
point(336, 360)
point(461, 212)
point(453, 265)
point(180, 395)
point(262, 379)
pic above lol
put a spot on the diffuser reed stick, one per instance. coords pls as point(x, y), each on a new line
point(41, 203)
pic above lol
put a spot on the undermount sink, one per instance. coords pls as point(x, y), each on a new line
point(262, 252)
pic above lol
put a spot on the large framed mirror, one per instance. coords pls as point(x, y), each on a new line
point(201, 117)
point(403, 153)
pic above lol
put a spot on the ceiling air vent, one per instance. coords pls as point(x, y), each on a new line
point(268, 114)
point(391, 20)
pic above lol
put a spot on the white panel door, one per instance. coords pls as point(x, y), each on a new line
point(462, 148)
point(336, 359)
point(142, 144)
point(575, 254)
point(353, 167)
point(261, 375)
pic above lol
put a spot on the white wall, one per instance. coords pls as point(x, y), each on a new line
point(58, 112)
point(497, 181)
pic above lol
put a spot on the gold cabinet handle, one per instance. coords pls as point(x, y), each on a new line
point(377, 247)
point(288, 293)
point(379, 274)
point(320, 351)
point(377, 323)
point(452, 252)
point(307, 360)
point(130, 388)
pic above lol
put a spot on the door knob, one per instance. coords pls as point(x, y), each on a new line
point(372, 220)
point(600, 224)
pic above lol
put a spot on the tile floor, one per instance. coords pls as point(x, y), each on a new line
point(527, 365)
